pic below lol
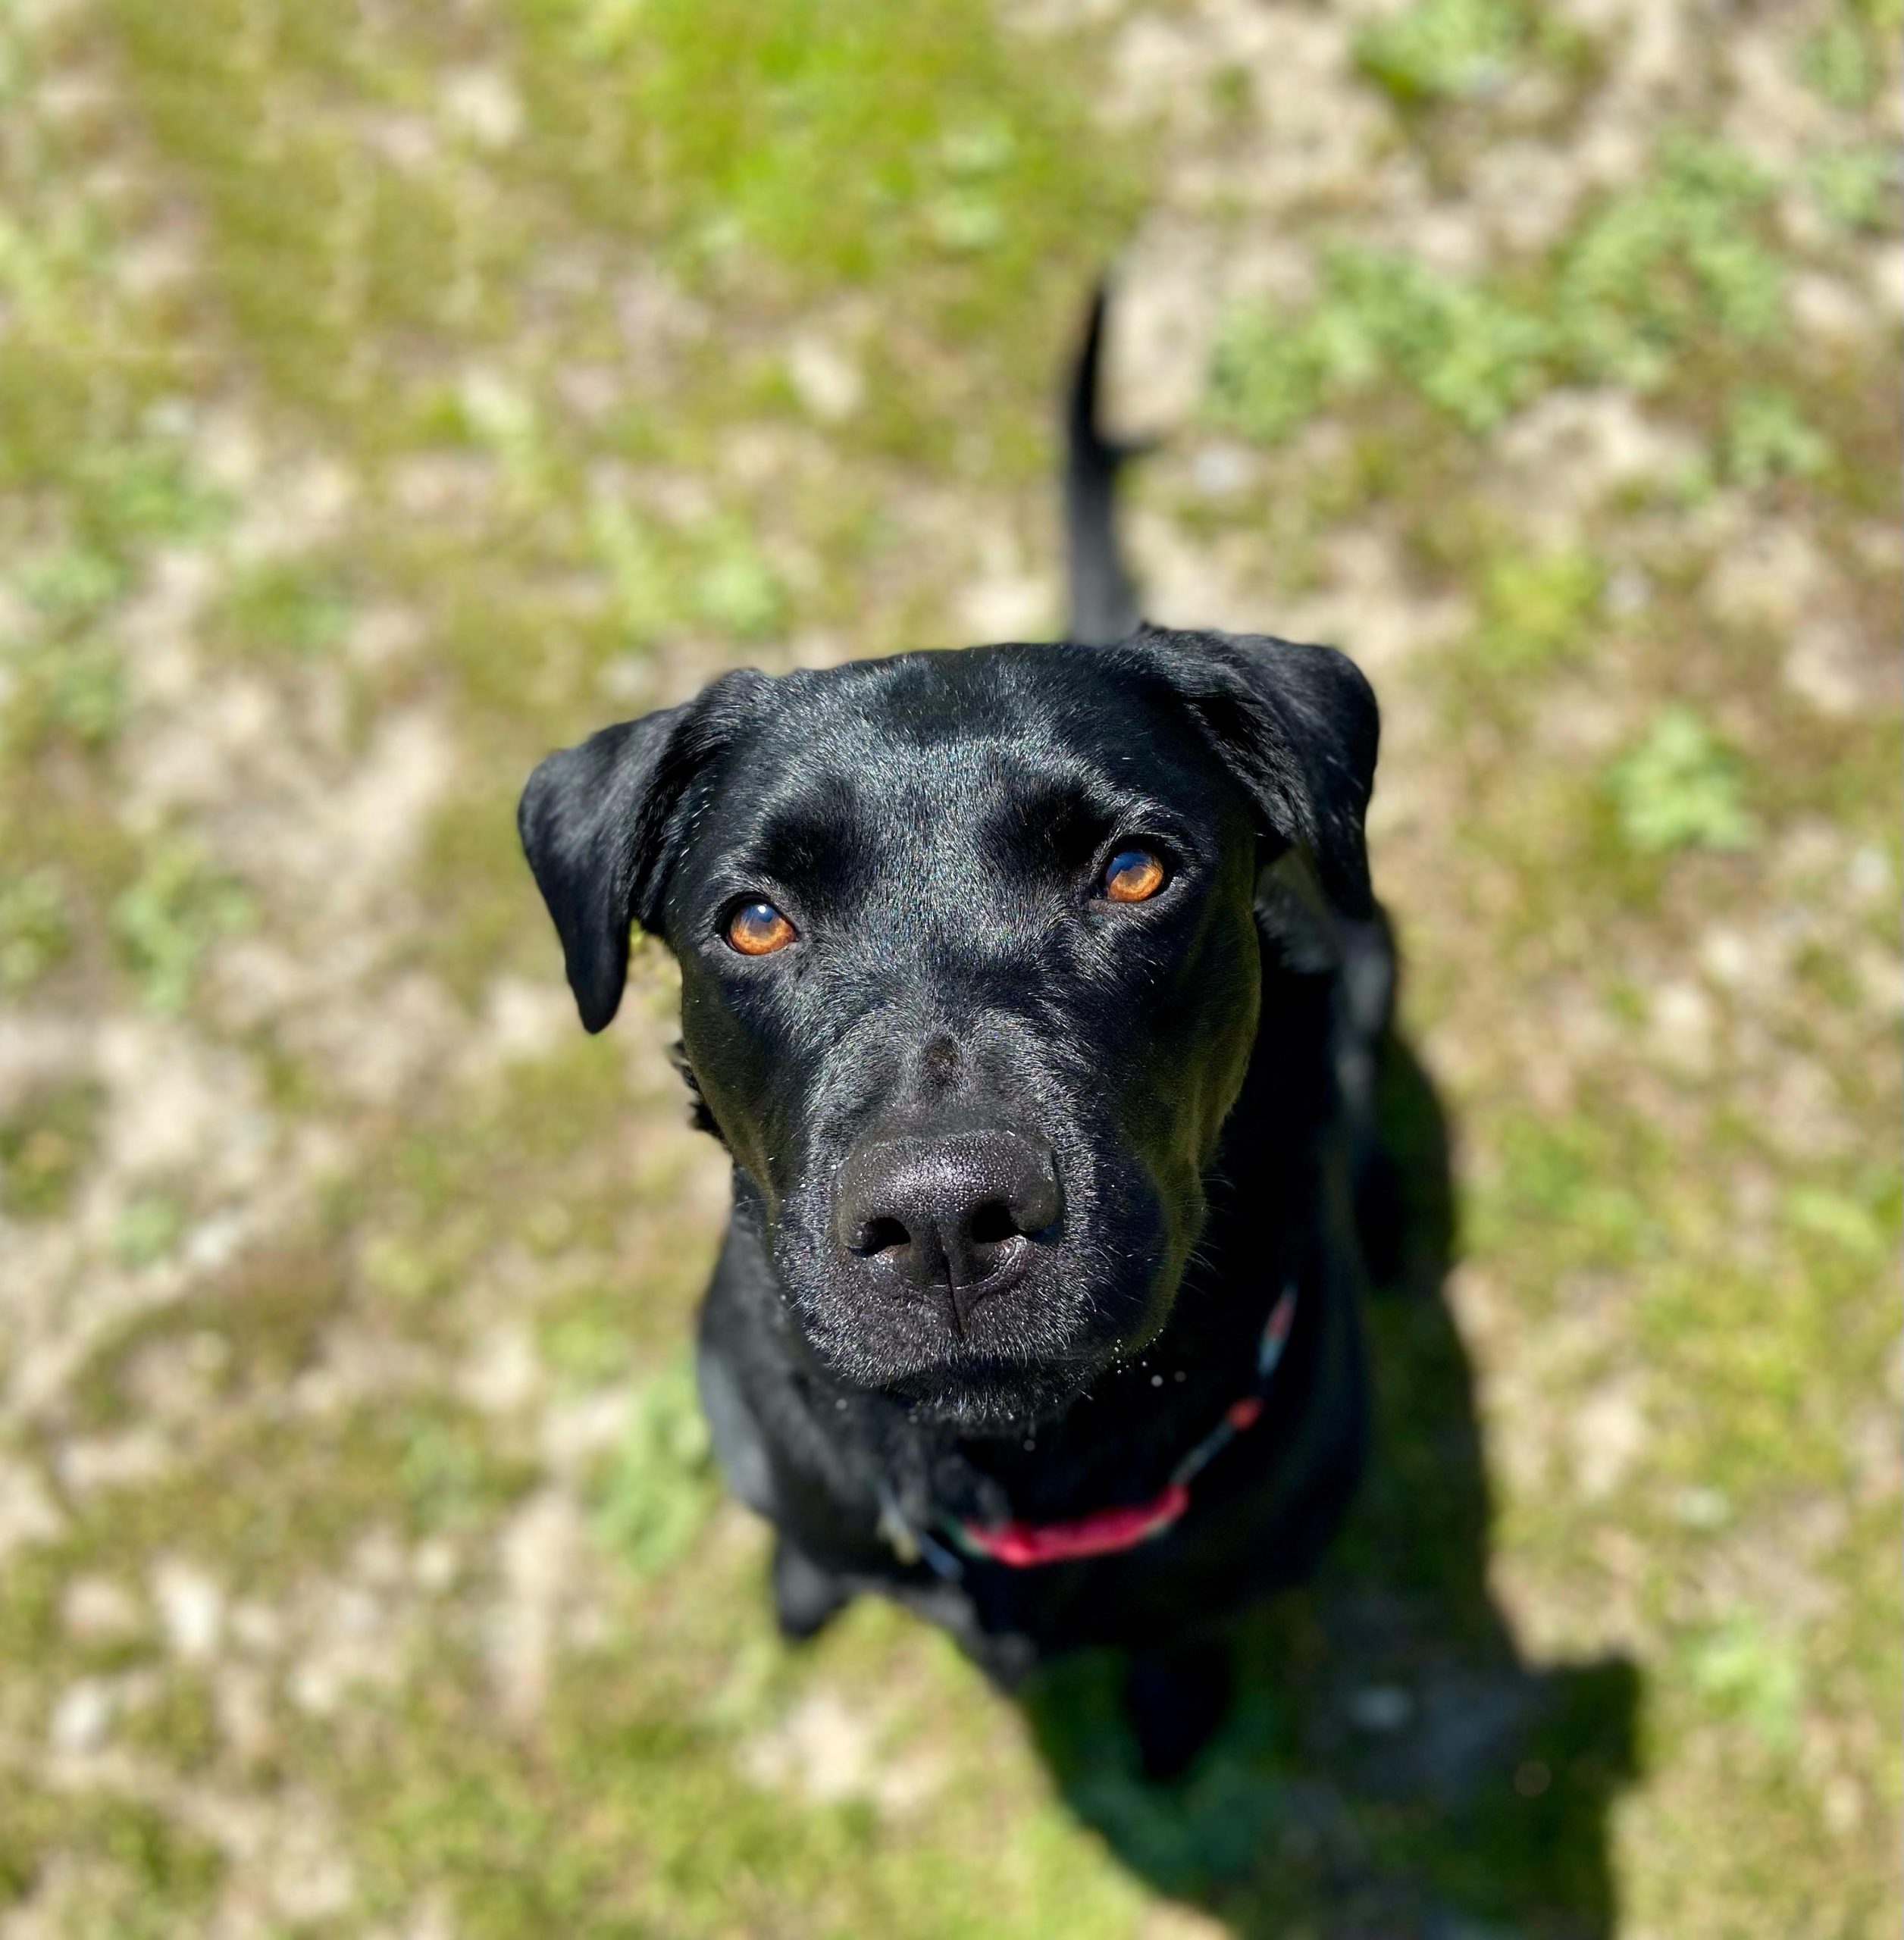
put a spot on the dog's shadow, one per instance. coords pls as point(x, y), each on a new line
point(1392, 1766)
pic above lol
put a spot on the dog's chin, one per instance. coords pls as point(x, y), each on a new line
point(1027, 1355)
point(972, 1397)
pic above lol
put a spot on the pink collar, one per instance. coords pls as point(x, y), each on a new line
point(1107, 1531)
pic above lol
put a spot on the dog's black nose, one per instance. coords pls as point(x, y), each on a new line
point(957, 1212)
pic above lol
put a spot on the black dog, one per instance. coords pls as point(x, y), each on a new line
point(1035, 991)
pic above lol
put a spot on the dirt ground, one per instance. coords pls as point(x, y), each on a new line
point(390, 392)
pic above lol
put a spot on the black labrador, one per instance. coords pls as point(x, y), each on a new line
point(1035, 991)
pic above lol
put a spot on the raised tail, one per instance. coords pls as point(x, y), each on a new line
point(1104, 605)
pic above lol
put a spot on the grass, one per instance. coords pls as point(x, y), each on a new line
point(446, 381)
point(1632, 296)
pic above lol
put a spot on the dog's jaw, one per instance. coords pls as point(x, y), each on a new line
point(993, 1400)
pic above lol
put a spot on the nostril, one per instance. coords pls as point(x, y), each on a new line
point(964, 1213)
point(878, 1235)
point(992, 1223)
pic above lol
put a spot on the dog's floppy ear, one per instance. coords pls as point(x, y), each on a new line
point(598, 825)
point(1298, 726)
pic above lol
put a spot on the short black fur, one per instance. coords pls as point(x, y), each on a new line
point(1019, 1171)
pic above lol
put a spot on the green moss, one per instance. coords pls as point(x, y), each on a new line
point(46, 1145)
point(182, 1726)
point(1679, 788)
point(34, 931)
point(1439, 50)
point(585, 1337)
point(138, 1874)
point(265, 1326)
point(300, 609)
point(1650, 279)
point(1856, 186)
point(1537, 608)
point(1767, 438)
point(737, 590)
point(847, 143)
point(147, 1229)
point(1843, 61)
point(800, 149)
point(165, 921)
point(1569, 1192)
point(1661, 266)
point(448, 1470)
point(661, 1488)
point(1383, 320)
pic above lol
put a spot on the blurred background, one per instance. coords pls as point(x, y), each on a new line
point(390, 392)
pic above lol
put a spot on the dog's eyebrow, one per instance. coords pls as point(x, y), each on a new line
point(819, 836)
point(805, 842)
point(1062, 820)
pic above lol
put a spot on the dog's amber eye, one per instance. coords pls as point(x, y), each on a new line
point(1133, 875)
point(758, 929)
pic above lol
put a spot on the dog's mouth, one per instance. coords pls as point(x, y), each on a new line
point(987, 1385)
point(986, 1395)
point(989, 1355)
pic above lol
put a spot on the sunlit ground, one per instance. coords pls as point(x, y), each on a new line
point(388, 392)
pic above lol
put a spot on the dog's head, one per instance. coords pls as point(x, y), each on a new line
point(970, 970)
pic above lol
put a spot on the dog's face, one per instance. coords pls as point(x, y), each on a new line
point(970, 972)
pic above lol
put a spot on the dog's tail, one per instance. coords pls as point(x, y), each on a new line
point(1104, 606)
